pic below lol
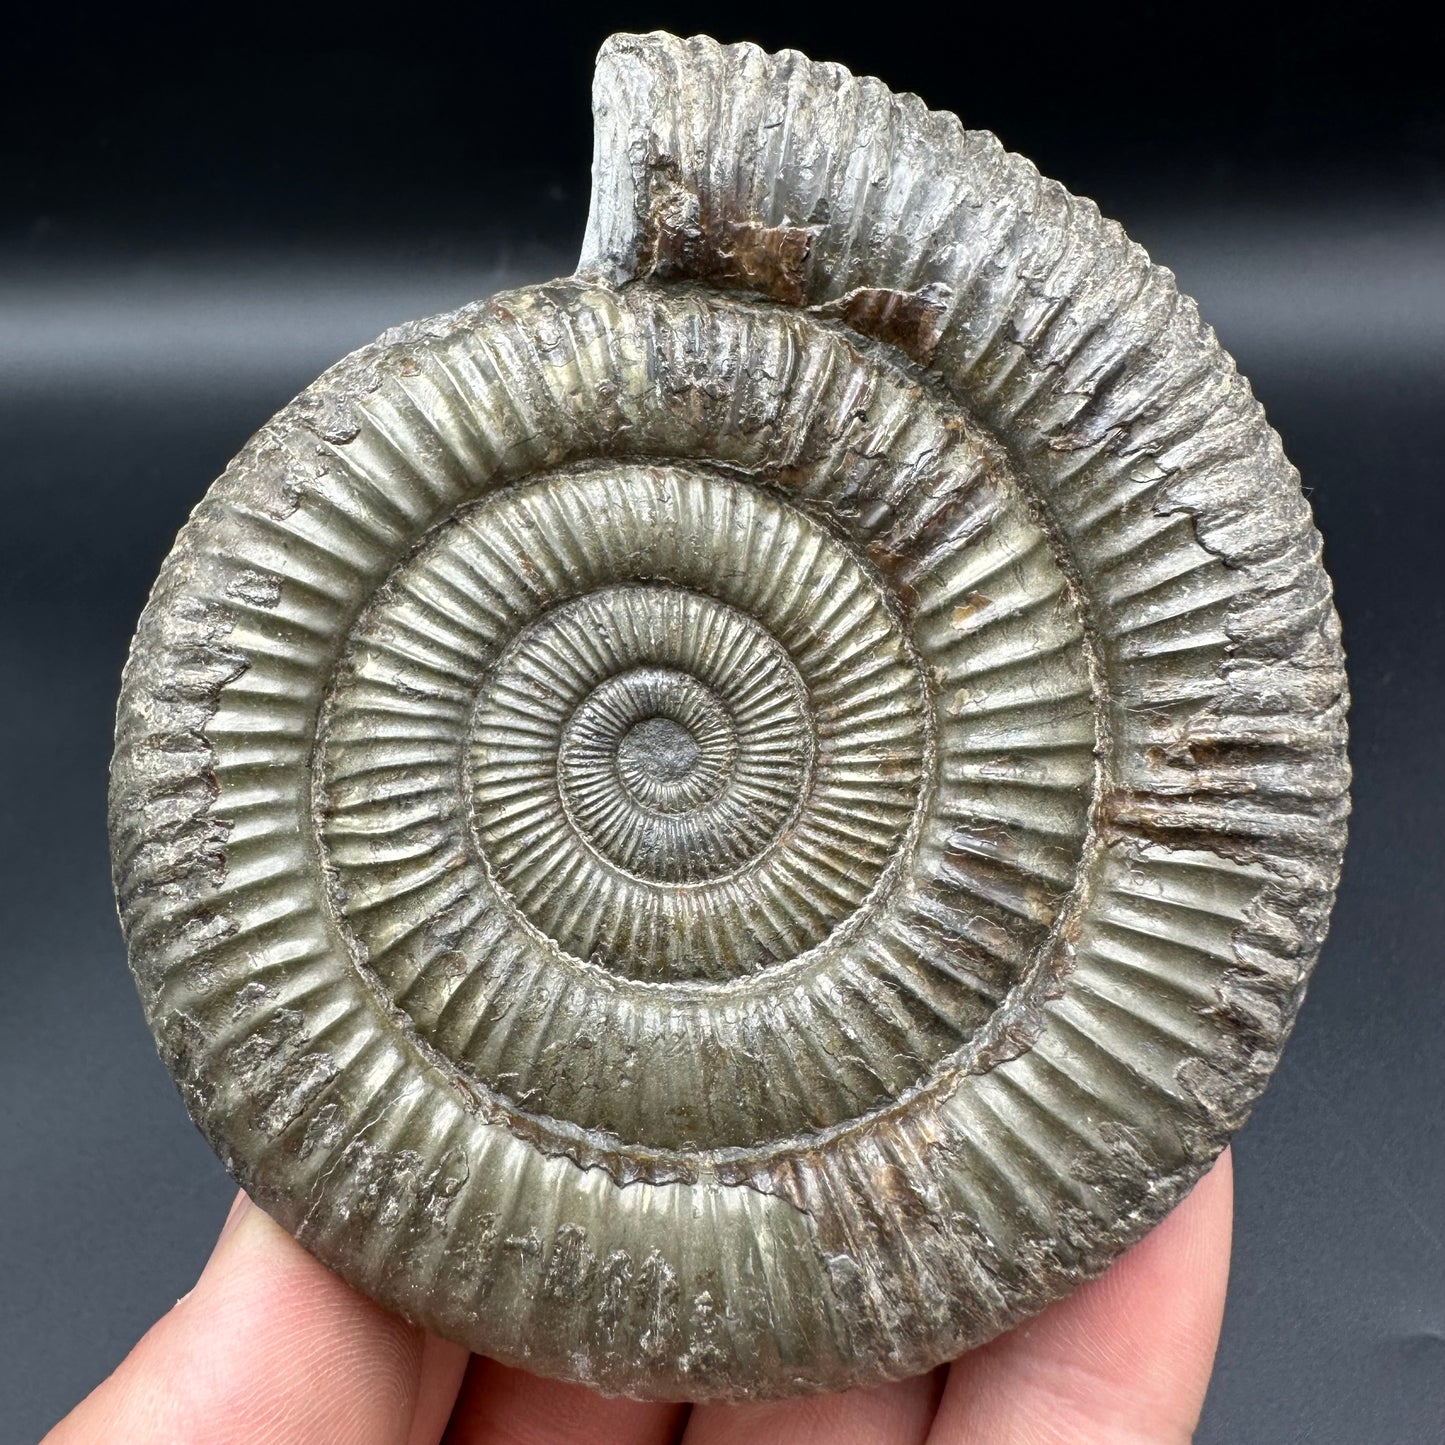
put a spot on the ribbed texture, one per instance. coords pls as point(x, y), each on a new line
point(725, 845)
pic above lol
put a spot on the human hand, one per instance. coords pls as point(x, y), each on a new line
point(270, 1348)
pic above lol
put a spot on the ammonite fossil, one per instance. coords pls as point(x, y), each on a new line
point(738, 822)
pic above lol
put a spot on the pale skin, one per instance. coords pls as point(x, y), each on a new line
point(269, 1348)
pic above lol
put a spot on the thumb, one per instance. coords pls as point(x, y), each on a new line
point(271, 1348)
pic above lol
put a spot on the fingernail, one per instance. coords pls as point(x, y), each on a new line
point(239, 1206)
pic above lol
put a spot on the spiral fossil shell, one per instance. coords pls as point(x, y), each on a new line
point(736, 823)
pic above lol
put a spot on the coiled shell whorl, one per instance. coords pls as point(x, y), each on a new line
point(736, 823)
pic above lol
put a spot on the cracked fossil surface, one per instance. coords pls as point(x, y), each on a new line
point(736, 823)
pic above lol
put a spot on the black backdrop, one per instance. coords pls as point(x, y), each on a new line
point(200, 211)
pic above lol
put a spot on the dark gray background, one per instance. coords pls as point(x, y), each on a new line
point(198, 214)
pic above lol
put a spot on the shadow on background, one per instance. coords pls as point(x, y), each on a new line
point(207, 218)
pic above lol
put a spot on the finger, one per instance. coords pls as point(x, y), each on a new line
point(271, 1348)
point(502, 1406)
point(443, 1368)
point(893, 1414)
point(1125, 1360)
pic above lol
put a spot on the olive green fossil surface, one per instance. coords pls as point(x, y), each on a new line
point(737, 822)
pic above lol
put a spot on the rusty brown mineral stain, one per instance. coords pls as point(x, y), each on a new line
point(910, 320)
point(970, 607)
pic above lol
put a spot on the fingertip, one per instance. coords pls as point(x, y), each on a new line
point(897, 1413)
point(442, 1370)
point(501, 1403)
point(269, 1348)
point(1128, 1354)
point(239, 1205)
